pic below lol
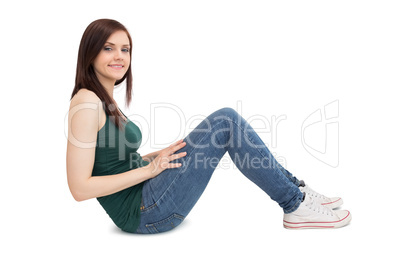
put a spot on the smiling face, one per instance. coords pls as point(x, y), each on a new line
point(113, 60)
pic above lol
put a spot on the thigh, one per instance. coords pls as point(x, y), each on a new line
point(169, 197)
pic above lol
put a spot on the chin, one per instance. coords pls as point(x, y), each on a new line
point(117, 77)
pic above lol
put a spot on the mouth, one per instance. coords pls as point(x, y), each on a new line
point(116, 66)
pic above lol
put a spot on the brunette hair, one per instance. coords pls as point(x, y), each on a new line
point(92, 42)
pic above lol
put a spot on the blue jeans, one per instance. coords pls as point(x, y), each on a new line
point(169, 197)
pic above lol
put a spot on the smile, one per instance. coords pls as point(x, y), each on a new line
point(116, 66)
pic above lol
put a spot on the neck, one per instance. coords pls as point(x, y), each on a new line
point(109, 90)
point(108, 85)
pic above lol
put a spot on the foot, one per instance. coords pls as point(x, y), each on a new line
point(331, 202)
point(311, 214)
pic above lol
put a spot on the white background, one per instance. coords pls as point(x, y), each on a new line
point(276, 57)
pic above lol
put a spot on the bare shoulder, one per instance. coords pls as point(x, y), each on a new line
point(86, 100)
point(86, 110)
point(84, 96)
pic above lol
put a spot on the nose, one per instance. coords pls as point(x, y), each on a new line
point(118, 54)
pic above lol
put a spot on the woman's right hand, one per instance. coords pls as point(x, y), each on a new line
point(162, 161)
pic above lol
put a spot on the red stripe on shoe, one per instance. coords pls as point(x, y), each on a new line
point(331, 202)
point(318, 221)
point(286, 226)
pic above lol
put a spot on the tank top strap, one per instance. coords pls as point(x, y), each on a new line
point(124, 115)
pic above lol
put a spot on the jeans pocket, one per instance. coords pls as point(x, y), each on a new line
point(166, 224)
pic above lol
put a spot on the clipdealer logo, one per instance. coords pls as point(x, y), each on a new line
point(320, 134)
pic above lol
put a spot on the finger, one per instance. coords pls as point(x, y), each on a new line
point(176, 148)
point(171, 148)
point(179, 146)
point(174, 165)
point(177, 142)
point(177, 156)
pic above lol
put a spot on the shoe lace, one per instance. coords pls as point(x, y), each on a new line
point(319, 208)
point(313, 193)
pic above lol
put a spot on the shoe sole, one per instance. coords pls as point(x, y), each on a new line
point(318, 225)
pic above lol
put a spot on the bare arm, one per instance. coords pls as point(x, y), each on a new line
point(98, 186)
point(84, 120)
point(86, 116)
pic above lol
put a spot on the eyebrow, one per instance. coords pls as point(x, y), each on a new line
point(126, 45)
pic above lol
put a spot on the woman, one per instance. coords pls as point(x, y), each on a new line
point(156, 192)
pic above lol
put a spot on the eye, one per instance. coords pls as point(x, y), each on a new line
point(107, 48)
point(125, 50)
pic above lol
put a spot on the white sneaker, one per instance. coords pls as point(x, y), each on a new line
point(311, 214)
point(331, 202)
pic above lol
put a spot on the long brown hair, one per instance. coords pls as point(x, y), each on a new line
point(92, 42)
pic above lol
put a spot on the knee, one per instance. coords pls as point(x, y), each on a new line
point(224, 114)
point(227, 112)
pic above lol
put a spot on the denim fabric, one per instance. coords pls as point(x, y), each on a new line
point(169, 197)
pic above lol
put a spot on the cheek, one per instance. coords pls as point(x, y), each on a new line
point(96, 65)
point(102, 58)
point(127, 61)
point(98, 62)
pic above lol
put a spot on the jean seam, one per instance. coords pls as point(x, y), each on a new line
point(150, 207)
point(256, 147)
point(153, 226)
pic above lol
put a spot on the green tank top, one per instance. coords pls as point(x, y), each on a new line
point(116, 152)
